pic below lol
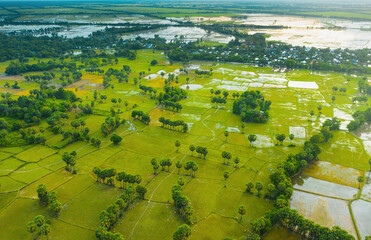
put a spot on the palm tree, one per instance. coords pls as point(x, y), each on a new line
point(45, 230)
point(241, 211)
point(31, 228)
point(226, 176)
point(181, 181)
point(192, 148)
point(39, 220)
point(249, 186)
point(56, 207)
point(259, 187)
point(228, 157)
point(226, 134)
point(177, 145)
point(178, 165)
point(155, 167)
point(303, 164)
point(236, 161)
point(319, 107)
point(252, 138)
point(360, 179)
point(121, 204)
point(168, 164)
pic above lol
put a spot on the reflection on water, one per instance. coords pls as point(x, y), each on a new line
point(307, 31)
point(189, 33)
point(313, 32)
point(302, 31)
point(299, 179)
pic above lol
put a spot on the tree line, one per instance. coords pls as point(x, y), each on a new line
point(174, 124)
point(360, 118)
point(182, 204)
point(140, 115)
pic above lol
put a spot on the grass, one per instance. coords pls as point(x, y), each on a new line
point(215, 207)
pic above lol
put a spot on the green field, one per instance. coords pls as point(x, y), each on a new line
point(215, 206)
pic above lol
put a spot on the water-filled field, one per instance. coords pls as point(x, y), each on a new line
point(24, 168)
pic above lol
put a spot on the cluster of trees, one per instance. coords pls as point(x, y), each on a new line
point(146, 89)
point(140, 115)
point(110, 124)
point(165, 163)
point(70, 160)
point(126, 178)
point(28, 135)
point(96, 142)
point(115, 139)
point(258, 186)
point(325, 134)
point(174, 124)
point(360, 99)
point(109, 217)
point(292, 220)
point(218, 100)
point(341, 90)
point(37, 106)
point(154, 165)
point(48, 198)
point(360, 117)
point(191, 167)
point(75, 134)
point(57, 46)
point(46, 76)
point(173, 105)
point(364, 87)
point(182, 204)
point(183, 232)
point(103, 174)
point(121, 177)
point(15, 68)
point(26, 111)
point(173, 94)
point(252, 107)
point(202, 151)
point(14, 86)
point(40, 223)
point(225, 93)
point(228, 156)
point(203, 72)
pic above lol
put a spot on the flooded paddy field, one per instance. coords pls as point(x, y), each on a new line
point(343, 157)
point(189, 34)
point(323, 210)
point(333, 173)
point(305, 31)
point(313, 185)
point(298, 31)
point(362, 212)
point(96, 18)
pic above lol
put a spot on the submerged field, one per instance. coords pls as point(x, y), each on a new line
point(293, 94)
